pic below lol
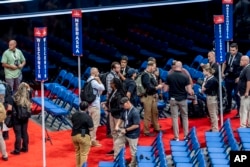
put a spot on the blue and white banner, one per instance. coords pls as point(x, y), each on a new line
point(227, 9)
point(41, 63)
point(219, 38)
point(77, 32)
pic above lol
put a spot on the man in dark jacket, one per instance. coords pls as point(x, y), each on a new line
point(231, 71)
point(130, 86)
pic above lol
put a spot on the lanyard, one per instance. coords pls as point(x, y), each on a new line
point(126, 116)
point(231, 60)
point(112, 97)
point(208, 78)
point(14, 55)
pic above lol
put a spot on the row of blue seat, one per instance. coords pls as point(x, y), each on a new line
point(58, 104)
point(188, 152)
point(219, 144)
point(244, 135)
point(175, 40)
point(152, 155)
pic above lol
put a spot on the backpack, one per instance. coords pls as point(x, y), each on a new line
point(87, 92)
point(103, 77)
point(140, 90)
point(8, 93)
point(23, 113)
point(198, 110)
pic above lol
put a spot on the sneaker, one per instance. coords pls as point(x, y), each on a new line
point(111, 152)
point(149, 134)
point(186, 138)
point(175, 139)
point(4, 158)
point(95, 144)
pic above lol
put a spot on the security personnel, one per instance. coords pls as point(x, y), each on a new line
point(230, 72)
point(150, 99)
point(82, 125)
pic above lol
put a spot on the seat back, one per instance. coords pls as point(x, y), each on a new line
point(60, 78)
point(168, 64)
point(163, 75)
point(69, 100)
point(55, 91)
point(74, 83)
point(61, 96)
point(68, 77)
point(197, 61)
point(143, 66)
point(201, 159)
point(86, 73)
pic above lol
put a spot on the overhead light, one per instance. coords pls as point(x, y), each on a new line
point(13, 1)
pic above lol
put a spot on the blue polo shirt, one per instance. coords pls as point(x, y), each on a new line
point(133, 118)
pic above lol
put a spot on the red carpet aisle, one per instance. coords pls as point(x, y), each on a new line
point(61, 153)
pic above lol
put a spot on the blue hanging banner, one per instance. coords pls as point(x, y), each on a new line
point(41, 63)
point(219, 38)
point(77, 32)
point(227, 9)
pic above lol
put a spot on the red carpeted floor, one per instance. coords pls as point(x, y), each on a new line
point(61, 153)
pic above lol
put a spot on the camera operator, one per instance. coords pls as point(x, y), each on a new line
point(13, 61)
point(230, 72)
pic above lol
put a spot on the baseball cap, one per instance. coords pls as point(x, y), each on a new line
point(131, 71)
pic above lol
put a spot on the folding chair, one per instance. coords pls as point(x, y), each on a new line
point(60, 113)
point(198, 160)
point(192, 132)
point(150, 156)
point(118, 162)
point(151, 147)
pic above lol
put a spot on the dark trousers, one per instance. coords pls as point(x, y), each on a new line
point(230, 86)
point(21, 135)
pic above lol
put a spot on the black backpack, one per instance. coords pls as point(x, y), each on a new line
point(198, 110)
point(23, 113)
point(87, 92)
point(103, 77)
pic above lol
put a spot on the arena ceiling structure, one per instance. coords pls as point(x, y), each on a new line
point(17, 9)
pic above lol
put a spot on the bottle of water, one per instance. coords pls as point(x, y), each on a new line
point(36, 93)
